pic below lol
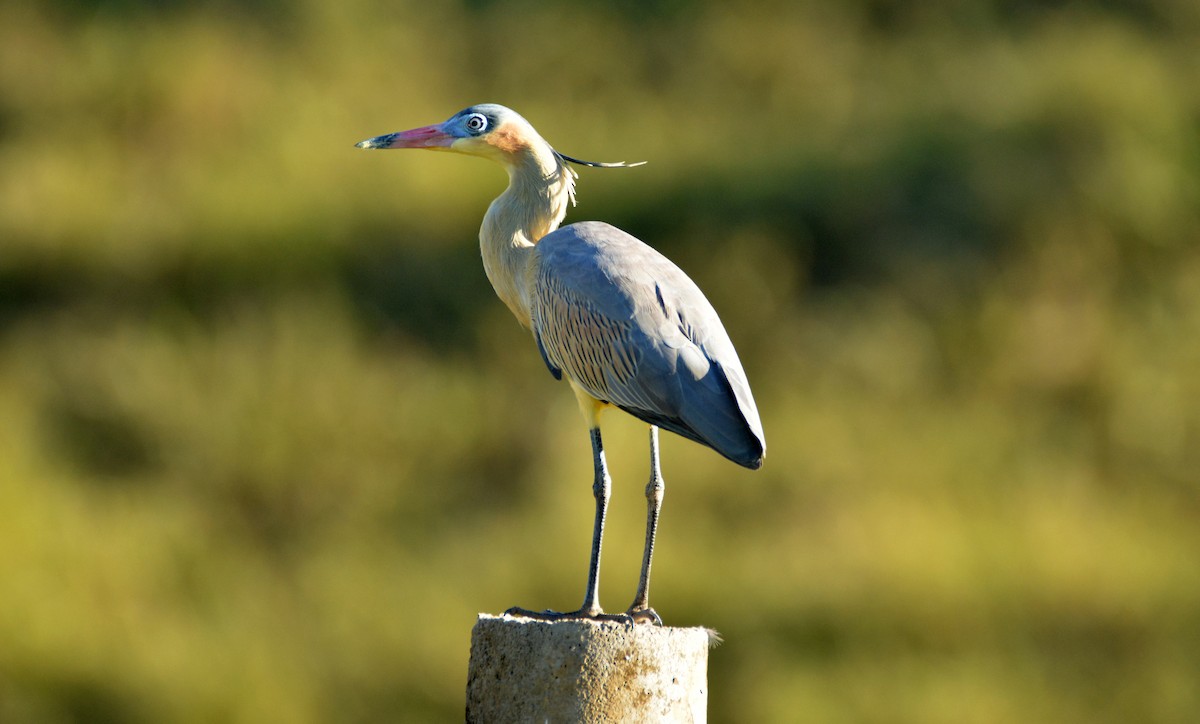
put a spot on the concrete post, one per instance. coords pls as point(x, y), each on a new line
point(583, 671)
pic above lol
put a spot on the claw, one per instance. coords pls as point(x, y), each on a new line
point(644, 615)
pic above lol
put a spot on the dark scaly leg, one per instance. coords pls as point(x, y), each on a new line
point(602, 490)
point(640, 609)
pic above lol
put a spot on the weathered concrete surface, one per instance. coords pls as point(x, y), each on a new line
point(582, 671)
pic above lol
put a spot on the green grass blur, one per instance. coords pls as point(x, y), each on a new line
point(268, 442)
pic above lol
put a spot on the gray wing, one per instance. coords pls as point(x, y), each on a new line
point(633, 330)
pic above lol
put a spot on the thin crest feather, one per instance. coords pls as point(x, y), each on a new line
point(599, 164)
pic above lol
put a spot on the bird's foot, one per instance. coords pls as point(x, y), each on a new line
point(580, 615)
point(644, 615)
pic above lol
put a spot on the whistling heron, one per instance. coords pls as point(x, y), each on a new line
point(624, 325)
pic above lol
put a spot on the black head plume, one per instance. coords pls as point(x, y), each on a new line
point(598, 164)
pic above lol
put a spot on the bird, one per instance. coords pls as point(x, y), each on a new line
point(619, 322)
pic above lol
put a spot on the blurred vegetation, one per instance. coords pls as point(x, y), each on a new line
point(269, 443)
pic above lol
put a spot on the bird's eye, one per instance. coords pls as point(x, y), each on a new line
point(476, 122)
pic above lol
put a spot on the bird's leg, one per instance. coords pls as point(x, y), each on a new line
point(640, 609)
point(602, 490)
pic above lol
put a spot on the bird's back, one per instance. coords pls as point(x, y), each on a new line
point(630, 328)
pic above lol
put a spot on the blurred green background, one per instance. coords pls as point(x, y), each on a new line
point(269, 442)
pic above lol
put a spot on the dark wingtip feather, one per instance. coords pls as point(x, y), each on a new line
point(752, 458)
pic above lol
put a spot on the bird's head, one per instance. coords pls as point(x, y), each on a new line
point(487, 130)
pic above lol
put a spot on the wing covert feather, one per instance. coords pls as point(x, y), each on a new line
point(632, 329)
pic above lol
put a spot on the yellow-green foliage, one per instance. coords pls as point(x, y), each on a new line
point(267, 442)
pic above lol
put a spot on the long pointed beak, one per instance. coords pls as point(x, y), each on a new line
point(424, 137)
